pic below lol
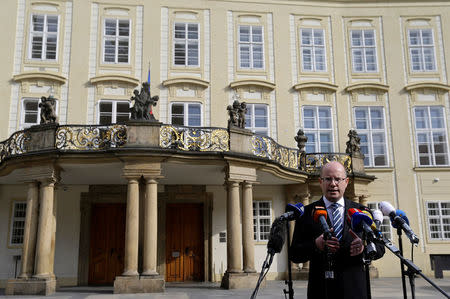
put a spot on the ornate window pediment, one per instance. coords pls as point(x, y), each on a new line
point(186, 87)
point(253, 89)
point(427, 91)
point(40, 82)
point(315, 90)
point(367, 91)
point(114, 85)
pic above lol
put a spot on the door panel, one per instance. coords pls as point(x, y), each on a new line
point(184, 242)
point(107, 243)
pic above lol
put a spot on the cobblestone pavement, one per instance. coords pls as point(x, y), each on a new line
point(382, 288)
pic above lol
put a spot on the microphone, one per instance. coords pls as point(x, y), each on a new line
point(398, 220)
point(361, 222)
point(373, 226)
point(320, 216)
point(276, 237)
point(293, 212)
point(377, 218)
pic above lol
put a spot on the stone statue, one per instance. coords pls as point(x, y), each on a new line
point(143, 102)
point(301, 141)
point(237, 113)
point(353, 142)
point(48, 107)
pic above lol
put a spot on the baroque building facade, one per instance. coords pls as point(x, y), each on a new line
point(95, 198)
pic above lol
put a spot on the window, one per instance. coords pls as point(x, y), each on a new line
point(312, 47)
point(116, 41)
point(43, 37)
point(251, 44)
point(439, 220)
point(421, 50)
point(17, 223)
point(186, 114)
point(431, 135)
point(186, 44)
point(262, 217)
point(317, 125)
point(31, 112)
point(363, 49)
point(371, 129)
point(385, 226)
point(257, 119)
point(111, 112)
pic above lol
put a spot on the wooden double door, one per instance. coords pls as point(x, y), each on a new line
point(184, 242)
point(107, 243)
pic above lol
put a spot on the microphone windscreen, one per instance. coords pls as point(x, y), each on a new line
point(350, 213)
point(402, 214)
point(276, 237)
point(378, 216)
point(298, 209)
point(386, 208)
point(372, 224)
point(357, 219)
point(319, 211)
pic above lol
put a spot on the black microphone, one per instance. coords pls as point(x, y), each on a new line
point(320, 215)
point(276, 237)
point(293, 212)
point(398, 221)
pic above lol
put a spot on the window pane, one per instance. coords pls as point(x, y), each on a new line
point(52, 24)
point(38, 23)
point(192, 31)
point(124, 28)
point(110, 27)
point(244, 33)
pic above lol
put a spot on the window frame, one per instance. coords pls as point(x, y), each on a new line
point(113, 110)
point(429, 131)
point(440, 218)
point(257, 223)
point(363, 47)
point(186, 112)
point(116, 38)
point(186, 43)
point(313, 47)
point(13, 220)
point(316, 130)
point(251, 44)
point(23, 124)
point(370, 132)
point(44, 35)
point(251, 111)
point(421, 47)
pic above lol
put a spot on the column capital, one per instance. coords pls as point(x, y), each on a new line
point(41, 173)
point(138, 169)
point(240, 173)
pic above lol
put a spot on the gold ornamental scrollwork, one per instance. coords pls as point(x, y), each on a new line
point(194, 139)
point(17, 144)
point(90, 137)
point(313, 162)
point(266, 147)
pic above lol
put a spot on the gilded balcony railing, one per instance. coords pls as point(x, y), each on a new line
point(17, 144)
point(266, 147)
point(314, 161)
point(194, 138)
point(90, 137)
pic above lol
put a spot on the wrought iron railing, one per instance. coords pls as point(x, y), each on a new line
point(17, 144)
point(95, 137)
point(266, 147)
point(312, 162)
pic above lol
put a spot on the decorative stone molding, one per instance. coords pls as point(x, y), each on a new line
point(316, 88)
point(40, 80)
point(184, 85)
point(253, 86)
point(133, 170)
point(240, 173)
point(367, 88)
point(107, 83)
point(431, 91)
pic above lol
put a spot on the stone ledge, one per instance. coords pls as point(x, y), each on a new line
point(240, 281)
point(136, 284)
point(31, 286)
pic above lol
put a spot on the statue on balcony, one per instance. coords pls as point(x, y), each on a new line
point(48, 107)
point(237, 113)
point(353, 147)
point(301, 141)
point(143, 102)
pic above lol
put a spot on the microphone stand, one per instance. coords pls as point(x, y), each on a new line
point(290, 290)
point(412, 269)
point(402, 265)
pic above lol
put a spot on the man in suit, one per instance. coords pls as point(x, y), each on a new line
point(344, 249)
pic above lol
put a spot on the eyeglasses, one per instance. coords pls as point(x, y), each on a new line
point(329, 180)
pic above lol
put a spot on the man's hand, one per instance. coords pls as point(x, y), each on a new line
point(332, 244)
point(357, 246)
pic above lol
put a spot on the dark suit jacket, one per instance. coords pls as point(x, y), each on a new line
point(350, 278)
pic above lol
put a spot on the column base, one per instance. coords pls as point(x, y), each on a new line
point(30, 286)
point(136, 284)
point(373, 272)
point(240, 280)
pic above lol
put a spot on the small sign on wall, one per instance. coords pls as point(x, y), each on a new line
point(222, 237)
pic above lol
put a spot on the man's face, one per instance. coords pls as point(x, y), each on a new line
point(333, 181)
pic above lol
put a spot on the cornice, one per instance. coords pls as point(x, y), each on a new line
point(27, 76)
point(253, 82)
point(184, 80)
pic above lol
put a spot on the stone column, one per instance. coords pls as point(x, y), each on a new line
point(247, 228)
point(132, 228)
point(45, 238)
point(150, 227)
point(234, 263)
point(29, 237)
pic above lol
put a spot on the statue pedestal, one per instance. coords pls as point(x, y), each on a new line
point(142, 133)
point(139, 284)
